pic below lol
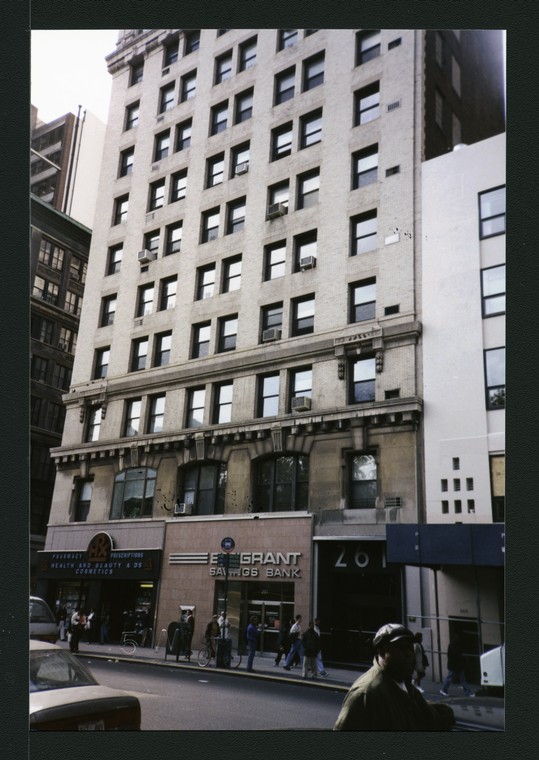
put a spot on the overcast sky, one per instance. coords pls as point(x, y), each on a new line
point(69, 69)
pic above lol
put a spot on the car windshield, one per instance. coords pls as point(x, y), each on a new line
point(39, 612)
point(57, 669)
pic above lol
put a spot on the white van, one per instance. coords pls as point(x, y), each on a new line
point(493, 668)
point(43, 625)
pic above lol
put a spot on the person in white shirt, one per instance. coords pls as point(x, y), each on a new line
point(297, 646)
point(224, 626)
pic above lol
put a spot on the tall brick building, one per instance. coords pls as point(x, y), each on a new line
point(249, 361)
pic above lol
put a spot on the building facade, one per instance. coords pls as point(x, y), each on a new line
point(250, 356)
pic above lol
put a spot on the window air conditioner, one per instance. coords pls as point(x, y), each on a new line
point(145, 256)
point(307, 262)
point(277, 209)
point(242, 168)
point(301, 404)
point(182, 509)
point(272, 333)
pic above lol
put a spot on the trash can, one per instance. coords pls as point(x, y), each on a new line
point(223, 653)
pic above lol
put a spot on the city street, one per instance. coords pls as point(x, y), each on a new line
point(205, 699)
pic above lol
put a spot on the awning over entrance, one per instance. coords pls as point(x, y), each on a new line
point(436, 545)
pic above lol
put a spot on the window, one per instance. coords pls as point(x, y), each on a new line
point(137, 70)
point(235, 216)
point(281, 141)
point(240, 159)
point(94, 424)
point(78, 269)
point(364, 229)
point(493, 290)
point(51, 255)
point(492, 213)
point(219, 116)
point(497, 486)
point(313, 72)
point(178, 186)
point(367, 104)
point(168, 293)
point(173, 239)
point(132, 417)
point(36, 404)
point(145, 300)
point(495, 378)
point(363, 300)
point(456, 129)
point(55, 417)
point(439, 109)
point(223, 67)
point(192, 41)
point(282, 484)
point(439, 49)
point(228, 333)
point(183, 134)
point(301, 383)
point(456, 463)
point(108, 310)
point(156, 414)
point(139, 353)
point(203, 487)
point(311, 129)
point(120, 209)
point(243, 108)
point(195, 407)
point(171, 53)
point(365, 167)
point(268, 395)
point(394, 43)
point(47, 291)
point(275, 255)
point(303, 316)
point(210, 225)
point(458, 506)
point(287, 38)
point(247, 54)
point(115, 259)
point(222, 411)
point(456, 484)
point(101, 364)
point(166, 97)
point(215, 168)
point(455, 75)
point(284, 85)
point(205, 282)
point(367, 46)
point(157, 195)
point(73, 303)
point(163, 344)
point(39, 368)
point(469, 484)
point(279, 193)
point(42, 329)
point(308, 189)
point(67, 340)
point(84, 498)
point(272, 317)
point(133, 493)
point(232, 274)
point(363, 380)
point(444, 484)
point(151, 242)
point(188, 86)
point(201, 340)
point(305, 245)
point(363, 482)
point(445, 507)
point(162, 145)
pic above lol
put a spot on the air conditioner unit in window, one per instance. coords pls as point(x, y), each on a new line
point(272, 333)
point(182, 509)
point(242, 168)
point(145, 256)
point(301, 404)
point(307, 262)
point(277, 209)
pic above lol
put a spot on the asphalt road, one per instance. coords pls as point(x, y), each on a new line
point(187, 700)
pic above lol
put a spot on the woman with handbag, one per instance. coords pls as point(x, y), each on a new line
point(421, 661)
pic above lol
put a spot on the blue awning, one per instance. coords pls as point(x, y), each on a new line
point(435, 545)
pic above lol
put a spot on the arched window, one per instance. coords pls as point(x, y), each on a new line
point(202, 487)
point(133, 493)
point(282, 484)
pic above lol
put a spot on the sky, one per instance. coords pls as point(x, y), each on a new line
point(68, 69)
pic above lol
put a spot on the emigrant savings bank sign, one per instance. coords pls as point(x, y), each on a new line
point(250, 564)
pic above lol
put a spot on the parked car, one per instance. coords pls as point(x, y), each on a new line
point(65, 696)
point(43, 625)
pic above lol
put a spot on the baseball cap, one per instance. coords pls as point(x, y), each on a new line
point(391, 632)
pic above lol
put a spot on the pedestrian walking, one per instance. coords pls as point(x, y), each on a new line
point(224, 626)
point(61, 618)
point(311, 648)
point(190, 632)
point(283, 641)
point(104, 628)
point(319, 662)
point(296, 647)
point(78, 621)
point(455, 668)
point(252, 640)
point(421, 661)
point(383, 698)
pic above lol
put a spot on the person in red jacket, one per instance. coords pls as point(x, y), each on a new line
point(384, 699)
